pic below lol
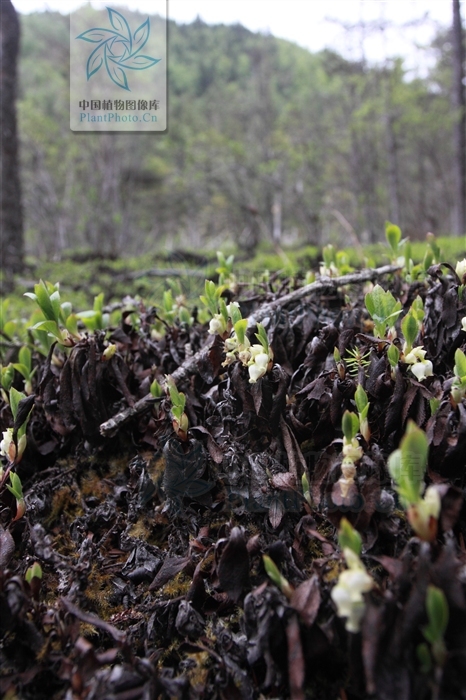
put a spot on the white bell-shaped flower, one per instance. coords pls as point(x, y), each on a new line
point(421, 370)
point(347, 594)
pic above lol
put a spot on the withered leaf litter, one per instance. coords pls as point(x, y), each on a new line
point(151, 550)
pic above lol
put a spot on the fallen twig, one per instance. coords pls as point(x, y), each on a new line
point(190, 365)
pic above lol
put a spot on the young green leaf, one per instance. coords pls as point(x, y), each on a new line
point(167, 303)
point(16, 487)
point(71, 325)
point(210, 298)
point(34, 571)
point(48, 299)
point(156, 390)
point(275, 576)
point(240, 329)
point(8, 374)
point(424, 657)
point(417, 309)
point(393, 355)
point(185, 316)
point(223, 309)
point(437, 613)
point(305, 487)
point(428, 259)
point(349, 425)
point(99, 302)
point(25, 358)
point(15, 398)
point(460, 364)
point(51, 327)
point(328, 253)
point(382, 307)
point(393, 236)
point(235, 313)
point(261, 336)
point(410, 329)
point(65, 311)
point(348, 537)
point(407, 465)
point(361, 400)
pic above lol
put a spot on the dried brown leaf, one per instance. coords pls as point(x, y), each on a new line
point(306, 599)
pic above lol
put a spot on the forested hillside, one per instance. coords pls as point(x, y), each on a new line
point(265, 140)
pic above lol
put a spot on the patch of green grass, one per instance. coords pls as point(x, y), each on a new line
point(80, 281)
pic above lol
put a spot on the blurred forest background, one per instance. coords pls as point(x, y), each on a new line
point(266, 141)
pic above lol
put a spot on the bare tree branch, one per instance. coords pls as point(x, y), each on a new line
point(190, 365)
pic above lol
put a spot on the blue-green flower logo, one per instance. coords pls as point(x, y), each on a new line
point(118, 49)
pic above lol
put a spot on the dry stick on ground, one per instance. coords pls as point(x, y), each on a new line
point(190, 365)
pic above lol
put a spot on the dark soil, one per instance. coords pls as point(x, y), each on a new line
point(151, 549)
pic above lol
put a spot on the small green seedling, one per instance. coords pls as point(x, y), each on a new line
point(393, 238)
point(276, 577)
point(341, 366)
point(434, 631)
point(393, 356)
point(355, 359)
point(95, 319)
point(24, 367)
point(306, 489)
point(16, 488)
point(211, 296)
point(156, 390)
point(410, 329)
point(335, 262)
point(33, 578)
point(383, 308)
point(349, 538)
point(458, 387)
point(14, 439)
point(225, 269)
point(407, 467)
point(179, 418)
point(56, 314)
point(7, 376)
point(350, 426)
point(362, 404)
point(34, 571)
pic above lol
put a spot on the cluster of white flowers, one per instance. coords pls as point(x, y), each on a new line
point(328, 271)
point(420, 367)
point(347, 594)
point(352, 452)
point(254, 357)
point(218, 324)
point(8, 448)
point(257, 358)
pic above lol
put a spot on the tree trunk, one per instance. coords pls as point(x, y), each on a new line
point(277, 218)
point(459, 104)
point(393, 187)
point(11, 221)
